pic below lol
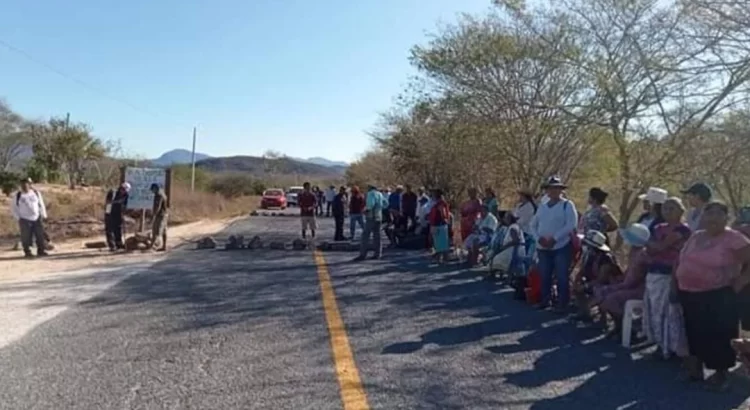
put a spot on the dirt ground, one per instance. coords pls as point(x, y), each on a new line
point(71, 255)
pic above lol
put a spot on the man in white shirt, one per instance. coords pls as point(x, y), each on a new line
point(553, 226)
point(28, 208)
point(330, 194)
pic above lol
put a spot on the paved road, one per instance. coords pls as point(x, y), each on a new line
point(248, 330)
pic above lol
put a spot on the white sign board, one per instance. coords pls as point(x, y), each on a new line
point(140, 180)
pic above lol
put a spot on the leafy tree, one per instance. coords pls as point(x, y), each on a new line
point(63, 149)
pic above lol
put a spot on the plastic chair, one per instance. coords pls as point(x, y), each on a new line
point(633, 311)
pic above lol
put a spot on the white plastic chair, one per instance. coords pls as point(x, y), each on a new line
point(633, 311)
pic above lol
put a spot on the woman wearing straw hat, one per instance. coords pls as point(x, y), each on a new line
point(653, 200)
point(662, 314)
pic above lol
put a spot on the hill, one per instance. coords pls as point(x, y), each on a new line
point(258, 166)
point(178, 156)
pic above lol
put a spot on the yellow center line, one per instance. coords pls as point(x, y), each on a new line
point(352, 392)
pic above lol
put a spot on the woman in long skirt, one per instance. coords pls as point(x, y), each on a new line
point(439, 218)
point(662, 319)
point(709, 274)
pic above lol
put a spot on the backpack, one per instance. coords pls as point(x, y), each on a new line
point(18, 195)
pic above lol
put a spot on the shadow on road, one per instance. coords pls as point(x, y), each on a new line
point(584, 369)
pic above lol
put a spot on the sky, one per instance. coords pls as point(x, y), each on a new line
point(302, 77)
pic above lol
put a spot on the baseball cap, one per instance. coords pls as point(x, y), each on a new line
point(700, 190)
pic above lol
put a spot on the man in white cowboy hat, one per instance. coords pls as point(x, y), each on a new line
point(653, 199)
point(553, 226)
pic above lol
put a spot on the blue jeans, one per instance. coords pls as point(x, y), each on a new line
point(556, 263)
point(355, 220)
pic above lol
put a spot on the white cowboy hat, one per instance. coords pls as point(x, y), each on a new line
point(636, 235)
point(596, 239)
point(654, 195)
point(126, 186)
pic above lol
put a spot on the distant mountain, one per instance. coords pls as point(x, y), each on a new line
point(325, 162)
point(261, 166)
point(177, 157)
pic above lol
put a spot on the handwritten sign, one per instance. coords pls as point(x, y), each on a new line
point(140, 180)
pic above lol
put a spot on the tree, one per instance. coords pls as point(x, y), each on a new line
point(14, 140)
point(655, 74)
point(65, 149)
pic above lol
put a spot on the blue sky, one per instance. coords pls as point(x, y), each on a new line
point(304, 77)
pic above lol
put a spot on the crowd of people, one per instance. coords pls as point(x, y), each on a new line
point(689, 267)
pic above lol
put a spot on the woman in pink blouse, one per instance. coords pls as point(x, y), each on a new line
point(707, 274)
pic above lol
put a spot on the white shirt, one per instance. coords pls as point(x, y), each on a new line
point(525, 213)
point(30, 206)
point(488, 222)
point(330, 194)
point(557, 221)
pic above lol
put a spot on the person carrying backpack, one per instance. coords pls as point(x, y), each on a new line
point(29, 210)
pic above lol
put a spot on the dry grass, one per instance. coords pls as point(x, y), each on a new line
point(80, 213)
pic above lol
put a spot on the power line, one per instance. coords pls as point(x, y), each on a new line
point(69, 77)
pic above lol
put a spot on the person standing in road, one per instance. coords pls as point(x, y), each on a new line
point(330, 194)
point(29, 210)
point(698, 195)
point(356, 211)
point(375, 204)
point(553, 226)
point(160, 215)
point(307, 202)
point(338, 203)
point(409, 205)
point(115, 204)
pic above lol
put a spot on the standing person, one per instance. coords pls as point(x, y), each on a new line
point(553, 225)
point(330, 194)
point(525, 210)
point(307, 202)
point(470, 212)
point(29, 210)
point(338, 203)
point(375, 206)
point(115, 204)
point(708, 276)
point(698, 195)
point(490, 201)
point(598, 217)
point(653, 200)
point(662, 314)
point(356, 211)
point(394, 206)
point(409, 204)
point(439, 219)
point(319, 200)
point(160, 215)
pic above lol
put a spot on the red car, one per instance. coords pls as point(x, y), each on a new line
point(273, 198)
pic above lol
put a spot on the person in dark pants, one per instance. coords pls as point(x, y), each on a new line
point(376, 206)
point(29, 210)
point(337, 209)
point(116, 202)
point(160, 212)
point(409, 204)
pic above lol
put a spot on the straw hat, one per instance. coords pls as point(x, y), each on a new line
point(655, 195)
point(597, 240)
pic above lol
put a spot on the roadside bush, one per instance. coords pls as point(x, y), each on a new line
point(8, 182)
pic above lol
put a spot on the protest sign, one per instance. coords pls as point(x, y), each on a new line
point(140, 180)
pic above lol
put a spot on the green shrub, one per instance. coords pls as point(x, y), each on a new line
point(232, 186)
point(8, 182)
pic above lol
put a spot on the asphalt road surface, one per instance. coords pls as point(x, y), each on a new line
point(256, 330)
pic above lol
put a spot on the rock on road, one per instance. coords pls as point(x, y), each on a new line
point(247, 330)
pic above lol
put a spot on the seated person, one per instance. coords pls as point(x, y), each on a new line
point(598, 268)
point(482, 234)
point(508, 252)
point(611, 298)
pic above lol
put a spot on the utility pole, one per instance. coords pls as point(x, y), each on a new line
point(67, 121)
point(192, 175)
